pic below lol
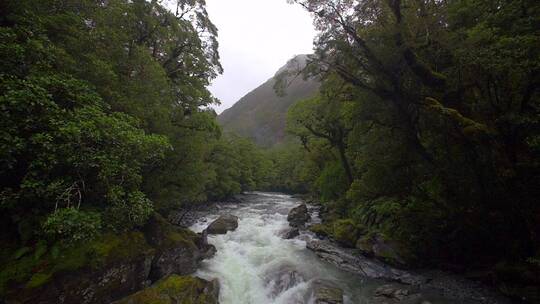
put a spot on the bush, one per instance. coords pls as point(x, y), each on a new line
point(70, 225)
point(128, 211)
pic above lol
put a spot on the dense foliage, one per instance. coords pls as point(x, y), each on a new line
point(104, 119)
point(429, 117)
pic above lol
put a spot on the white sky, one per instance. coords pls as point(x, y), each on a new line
point(256, 38)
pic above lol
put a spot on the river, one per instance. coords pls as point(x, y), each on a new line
point(255, 265)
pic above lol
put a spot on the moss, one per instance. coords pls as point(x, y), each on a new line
point(346, 232)
point(321, 230)
point(38, 279)
point(365, 244)
point(107, 249)
point(174, 289)
point(160, 233)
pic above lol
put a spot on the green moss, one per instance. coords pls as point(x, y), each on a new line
point(173, 289)
point(346, 232)
point(162, 234)
point(38, 279)
point(365, 244)
point(321, 230)
point(104, 250)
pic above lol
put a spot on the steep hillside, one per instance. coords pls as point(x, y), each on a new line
point(260, 115)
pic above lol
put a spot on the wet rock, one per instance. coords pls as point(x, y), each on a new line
point(290, 233)
point(394, 293)
point(351, 260)
point(177, 289)
point(298, 216)
point(179, 250)
point(326, 293)
point(321, 230)
point(223, 224)
point(207, 250)
point(283, 279)
point(385, 250)
point(119, 271)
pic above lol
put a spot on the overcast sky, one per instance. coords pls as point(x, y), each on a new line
point(256, 38)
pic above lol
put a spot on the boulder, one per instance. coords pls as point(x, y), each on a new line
point(394, 293)
point(346, 232)
point(179, 250)
point(326, 293)
point(298, 216)
point(112, 266)
point(99, 271)
point(389, 251)
point(282, 279)
point(290, 233)
point(223, 224)
point(177, 289)
point(349, 259)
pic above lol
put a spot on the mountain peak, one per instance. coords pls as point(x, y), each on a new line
point(260, 115)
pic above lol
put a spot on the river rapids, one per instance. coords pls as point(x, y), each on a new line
point(255, 265)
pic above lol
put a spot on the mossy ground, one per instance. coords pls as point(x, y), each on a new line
point(344, 231)
point(173, 289)
point(31, 272)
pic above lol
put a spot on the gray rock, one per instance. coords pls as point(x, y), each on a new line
point(290, 233)
point(394, 293)
point(352, 261)
point(283, 279)
point(298, 216)
point(223, 224)
point(326, 293)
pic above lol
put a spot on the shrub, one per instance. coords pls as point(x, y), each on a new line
point(71, 225)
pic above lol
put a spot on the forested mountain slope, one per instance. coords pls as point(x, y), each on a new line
point(260, 115)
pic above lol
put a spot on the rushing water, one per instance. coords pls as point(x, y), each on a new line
point(255, 265)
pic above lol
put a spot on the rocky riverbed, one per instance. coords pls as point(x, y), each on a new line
point(265, 260)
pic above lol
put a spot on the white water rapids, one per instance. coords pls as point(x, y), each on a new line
point(255, 265)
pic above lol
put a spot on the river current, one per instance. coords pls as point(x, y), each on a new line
point(255, 265)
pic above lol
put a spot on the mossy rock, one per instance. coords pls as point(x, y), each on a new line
point(162, 234)
point(176, 289)
point(518, 280)
point(321, 230)
point(365, 245)
point(28, 273)
point(346, 232)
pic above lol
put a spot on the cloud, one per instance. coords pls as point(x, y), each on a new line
point(256, 38)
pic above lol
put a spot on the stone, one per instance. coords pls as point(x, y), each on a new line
point(290, 233)
point(179, 250)
point(350, 260)
point(177, 289)
point(298, 216)
point(282, 279)
point(223, 224)
point(395, 293)
point(326, 293)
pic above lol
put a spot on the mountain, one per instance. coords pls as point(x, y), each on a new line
point(261, 114)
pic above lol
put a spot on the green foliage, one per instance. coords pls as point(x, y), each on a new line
point(434, 107)
point(72, 226)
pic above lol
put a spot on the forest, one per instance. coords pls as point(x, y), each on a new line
point(425, 130)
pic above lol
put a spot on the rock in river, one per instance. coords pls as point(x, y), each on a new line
point(290, 233)
point(223, 224)
point(326, 293)
point(395, 293)
point(177, 289)
point(298, 216)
